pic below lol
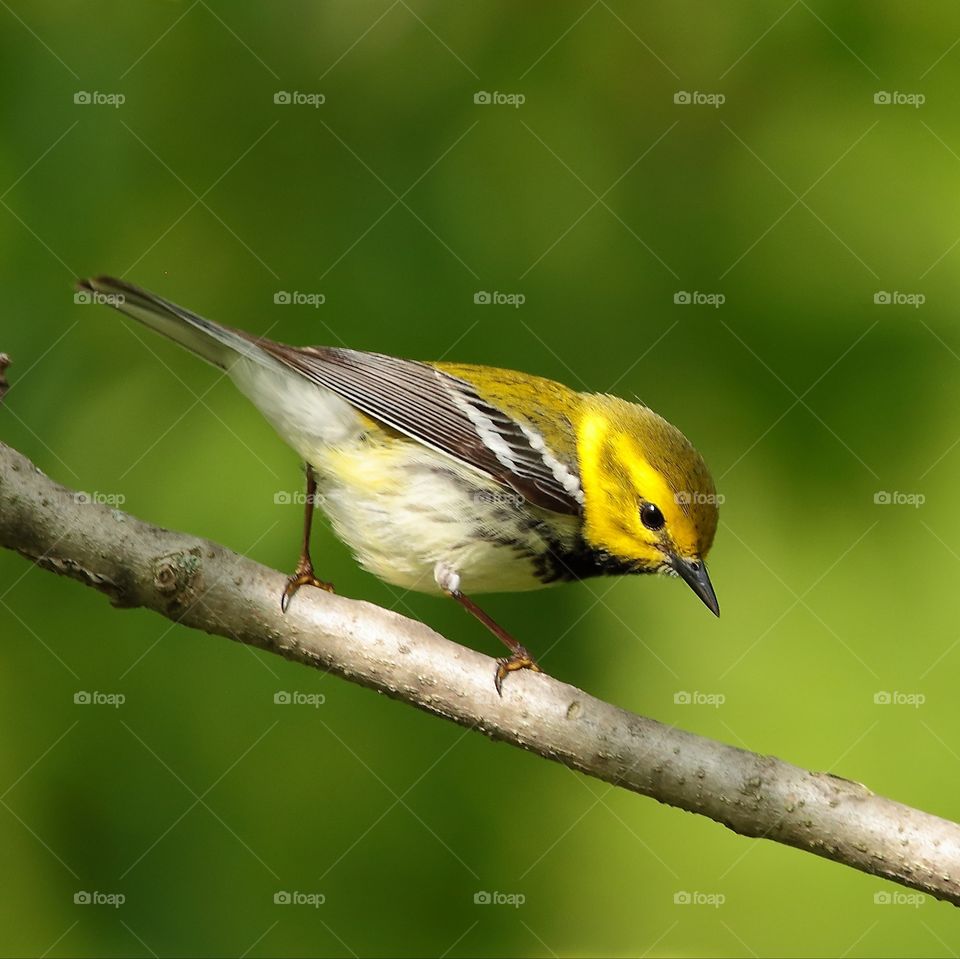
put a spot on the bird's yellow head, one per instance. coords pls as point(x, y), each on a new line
point(649, 499)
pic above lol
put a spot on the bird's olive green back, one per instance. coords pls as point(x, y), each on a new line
point(549, 407)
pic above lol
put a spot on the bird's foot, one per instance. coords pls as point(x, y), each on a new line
point(303, 576)
point(519, 659)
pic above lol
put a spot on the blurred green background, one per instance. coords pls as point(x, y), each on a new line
point(601, 200)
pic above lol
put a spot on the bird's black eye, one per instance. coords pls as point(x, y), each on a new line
point(651, 517)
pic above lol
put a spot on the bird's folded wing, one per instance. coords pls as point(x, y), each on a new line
point(445, 413)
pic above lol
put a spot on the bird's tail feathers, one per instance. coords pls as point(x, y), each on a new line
point(217, 344)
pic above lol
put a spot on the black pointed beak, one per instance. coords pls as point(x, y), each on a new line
point(694, 573)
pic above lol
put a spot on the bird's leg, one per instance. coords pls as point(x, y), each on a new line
point(304, 574)
point(519, 658)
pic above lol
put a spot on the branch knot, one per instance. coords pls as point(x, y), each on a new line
point(176, 575)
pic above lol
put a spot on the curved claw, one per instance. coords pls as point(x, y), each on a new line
point(520, 659)
point(304, 576)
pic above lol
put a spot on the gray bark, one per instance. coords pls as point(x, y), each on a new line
point(136, 564)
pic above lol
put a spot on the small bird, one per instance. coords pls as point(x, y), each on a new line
point(455, 479)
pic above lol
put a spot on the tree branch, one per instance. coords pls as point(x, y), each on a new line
point(136, 564)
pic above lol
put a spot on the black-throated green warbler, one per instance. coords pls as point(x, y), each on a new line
point(456, 479)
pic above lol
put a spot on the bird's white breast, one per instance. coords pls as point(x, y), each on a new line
point(401, 508)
